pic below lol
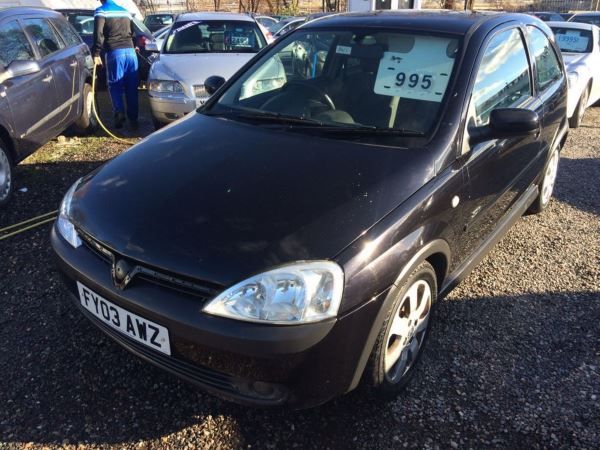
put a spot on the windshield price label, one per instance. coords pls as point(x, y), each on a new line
point(572, 42)
point(421, 74)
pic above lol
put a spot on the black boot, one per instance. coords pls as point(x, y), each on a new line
point(119, 120)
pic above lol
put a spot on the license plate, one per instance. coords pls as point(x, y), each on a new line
point(142, 330)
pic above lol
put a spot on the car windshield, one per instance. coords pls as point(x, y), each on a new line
point(594, 20)
point(83, 23)
point(214, 36)
point(367, 81)
point(571, 40)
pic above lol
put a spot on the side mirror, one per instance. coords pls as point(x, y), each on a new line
point(506, 123)
point(211, 84)
point(19, 68)
point(152, 47)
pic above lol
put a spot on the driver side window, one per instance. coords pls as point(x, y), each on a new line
point(14, 46)
point(504, 78)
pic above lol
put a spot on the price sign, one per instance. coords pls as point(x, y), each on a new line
point(572, 42)
point(421, 73)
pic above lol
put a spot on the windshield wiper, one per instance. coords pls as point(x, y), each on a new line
point(313, 124)
point(368, 129)
point(265, 116)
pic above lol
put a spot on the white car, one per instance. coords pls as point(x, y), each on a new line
point(199, 45)
point(580, 47)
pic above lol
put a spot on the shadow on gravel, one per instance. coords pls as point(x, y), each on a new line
point(577, 183)
point(507, 371)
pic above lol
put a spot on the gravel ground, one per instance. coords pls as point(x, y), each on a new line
point(513, 359)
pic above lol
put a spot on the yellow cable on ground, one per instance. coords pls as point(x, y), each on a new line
point(2, 230)
point(6, 236)
point(117, 138)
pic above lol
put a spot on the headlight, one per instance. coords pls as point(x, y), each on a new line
point(200, 91)
point(296, 293)
point(572, 77)
point(165, 86)
point(63, 223)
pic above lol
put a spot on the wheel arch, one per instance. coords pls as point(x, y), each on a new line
point(437, 253)
point(6, 138)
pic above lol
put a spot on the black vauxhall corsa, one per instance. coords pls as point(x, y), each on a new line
point(290, 238)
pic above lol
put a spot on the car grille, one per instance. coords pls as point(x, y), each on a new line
point(217, 382)
point(149, 274)
point(199, 91)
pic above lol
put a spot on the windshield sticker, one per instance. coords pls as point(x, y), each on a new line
point(184, 27)
point(343, 50)
point(572, 42)
point(421, 73)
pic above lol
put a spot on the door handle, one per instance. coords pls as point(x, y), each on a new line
point(48, 79)
point(73, 64)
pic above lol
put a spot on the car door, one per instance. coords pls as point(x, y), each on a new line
point(495, 169)
point(80, 61)
point(63, 62)
point(551, 85)
point(31, 98)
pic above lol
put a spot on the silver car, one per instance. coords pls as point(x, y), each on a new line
point(199, 45)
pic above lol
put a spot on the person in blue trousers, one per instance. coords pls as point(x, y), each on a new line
point(114, 33)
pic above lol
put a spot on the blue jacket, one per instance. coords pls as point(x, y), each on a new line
point(113, 28)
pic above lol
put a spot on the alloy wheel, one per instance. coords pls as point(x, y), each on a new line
point(5, 175)
point(550, 178)
point(407, 331)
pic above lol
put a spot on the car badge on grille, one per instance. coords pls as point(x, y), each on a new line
point(122, 272)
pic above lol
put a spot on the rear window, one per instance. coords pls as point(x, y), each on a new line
point(573, 41)
point(212, 36)
point(67, 32)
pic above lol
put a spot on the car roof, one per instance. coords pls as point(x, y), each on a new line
point(574, 25)
point(20, 10)
point(213, 16)
point(440, 21)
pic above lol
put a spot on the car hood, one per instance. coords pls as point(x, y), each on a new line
point(219, 200)
point(194, 68)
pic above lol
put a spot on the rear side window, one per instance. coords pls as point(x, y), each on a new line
point(43, 35)
point(547, 67)
point(503, 79)
point(67, 32)
point(14, 45)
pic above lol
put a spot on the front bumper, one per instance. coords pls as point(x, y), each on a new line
point(303, 365)
point(167, 110)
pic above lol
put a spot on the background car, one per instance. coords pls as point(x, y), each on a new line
point(547, 16)
point(44, 85)
point(266, 21)
point(155, 22)
point(580, 47)
point(586, 17)
point(199, 45)
point(289, 240)
point(83, 22)
point(285, 25)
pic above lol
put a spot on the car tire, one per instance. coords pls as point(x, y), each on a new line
point(87, 122)
point(6, 174)
point(547, 184)
point(577, 118)
point(403, 335)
